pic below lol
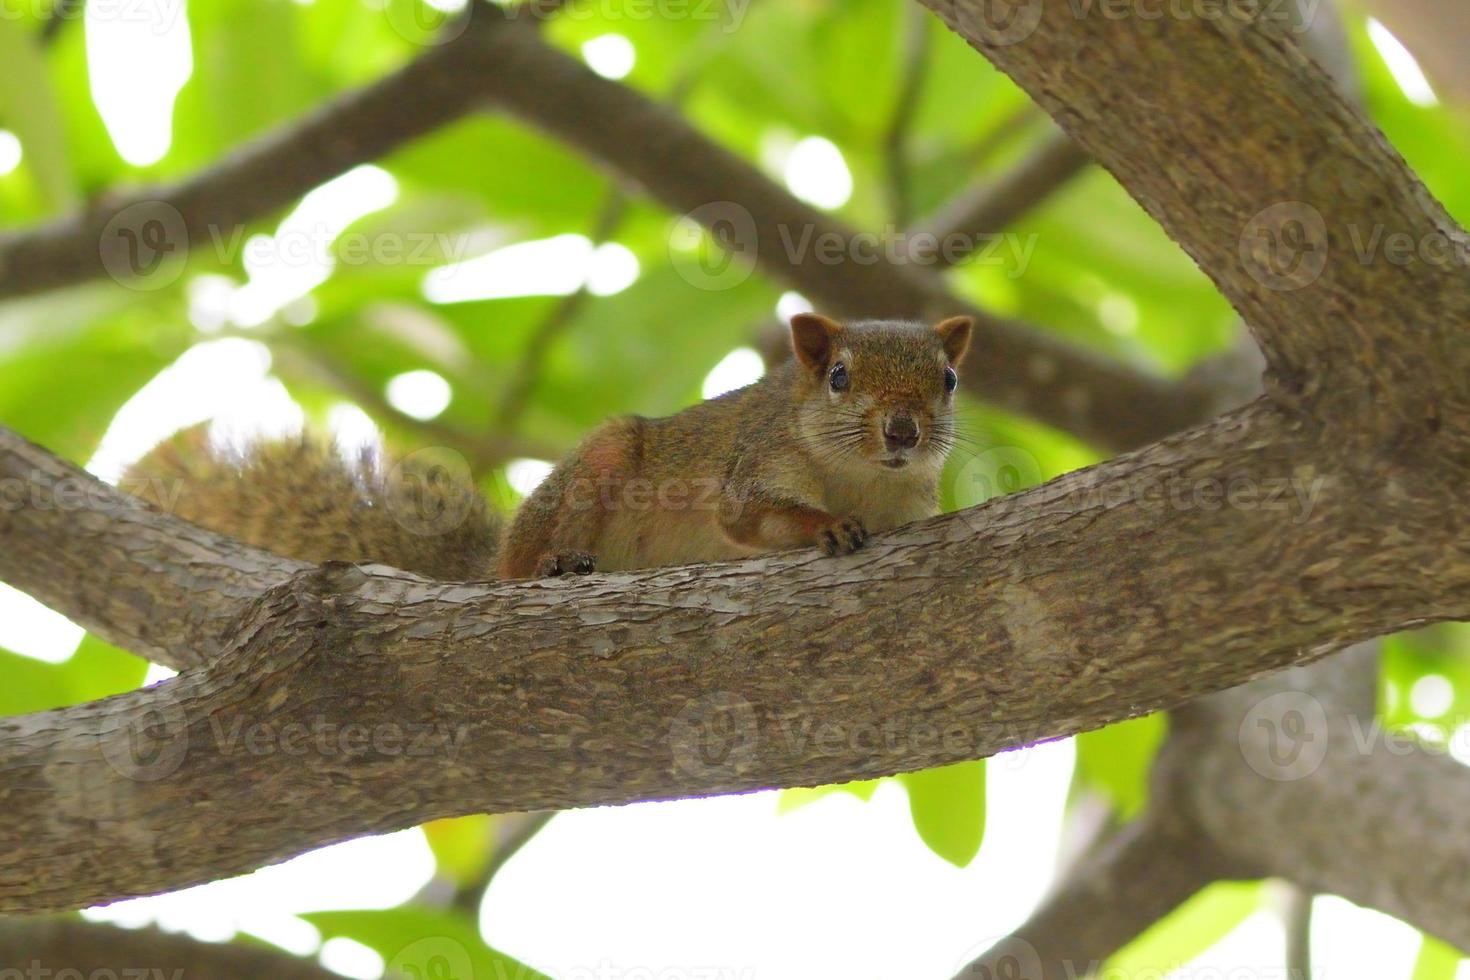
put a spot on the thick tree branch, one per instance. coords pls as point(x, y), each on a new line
point(1145, 871)
point(158, 586)
point(1241, 147)
point(46, 947)
point(1294, 776)
point(1114, 590)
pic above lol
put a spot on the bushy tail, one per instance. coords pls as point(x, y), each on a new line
point(299, 497)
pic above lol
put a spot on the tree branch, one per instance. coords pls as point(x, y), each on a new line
point(1294, 776)
point(1109, 592)
point(48, 947)
point(1145, 871)
point(1274, 205)
point(1297, 920)
point(264, 176)
point(161, 587)
point(917, 44)
point(991, 206)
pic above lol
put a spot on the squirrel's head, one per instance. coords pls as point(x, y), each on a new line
point(878, 392)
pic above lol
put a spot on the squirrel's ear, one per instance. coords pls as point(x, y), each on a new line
point(811, 337)
point(954, 334)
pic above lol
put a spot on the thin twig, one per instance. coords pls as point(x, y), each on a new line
point(1298, 916)
point(918, 41)
point(513, 832)
point(61, 13)
point(990, 206)
point(605, 226)
point(533, 359)
point(484, 452)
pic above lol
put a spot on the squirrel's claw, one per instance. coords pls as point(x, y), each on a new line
point(843, 537)
point(566, 563)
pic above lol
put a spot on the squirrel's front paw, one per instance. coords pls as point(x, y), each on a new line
point(842, 536)
point(557, 563)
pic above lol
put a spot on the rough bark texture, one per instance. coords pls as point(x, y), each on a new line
point(1233, 139)
point(1048, 612)
point(1304, 749)
point(43, 947)
point(168, 590)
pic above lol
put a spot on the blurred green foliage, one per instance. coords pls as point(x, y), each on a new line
point(1098, 271)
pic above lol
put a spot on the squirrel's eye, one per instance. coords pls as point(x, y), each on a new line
point(951, 380)
point(837, 378)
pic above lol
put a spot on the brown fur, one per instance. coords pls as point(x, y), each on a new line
point(300, 498)
point(783, 463)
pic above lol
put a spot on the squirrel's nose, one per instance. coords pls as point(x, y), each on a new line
point(900, 431)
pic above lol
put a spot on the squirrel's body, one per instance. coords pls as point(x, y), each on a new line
point(846, 439)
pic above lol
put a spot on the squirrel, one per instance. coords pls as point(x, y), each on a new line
point(845, 439)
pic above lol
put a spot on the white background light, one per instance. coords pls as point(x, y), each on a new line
point(817, 173)
point(10, 152)
point(611, 55)
point(420, 394)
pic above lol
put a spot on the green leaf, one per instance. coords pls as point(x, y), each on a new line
point(462, 845)
point(29, 107)
point(1116, 760)
point(795, 799)
point(70, 360)
point(248, 77)
point(948, 807)
point(96, 670)
point(1437, 960)
point(28, 685)
point(1189, 930)
point(417, 942)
